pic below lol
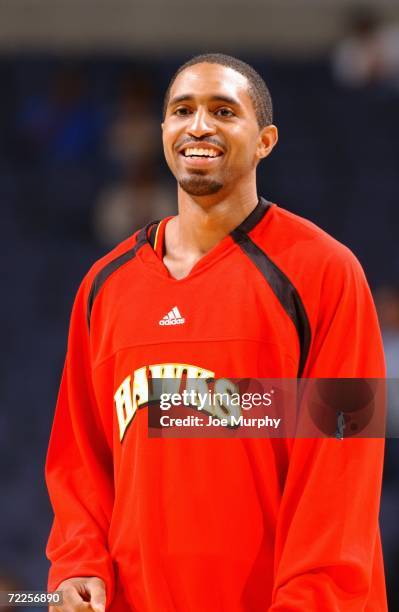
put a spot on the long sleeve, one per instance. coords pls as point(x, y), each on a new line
point(79, 471)
point(328, 552)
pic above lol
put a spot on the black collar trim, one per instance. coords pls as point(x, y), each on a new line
point(245, 227)
point(254, 217)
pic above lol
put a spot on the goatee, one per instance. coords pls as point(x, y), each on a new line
point(198, 185)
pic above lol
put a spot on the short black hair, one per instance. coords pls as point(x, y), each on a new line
point(257, 88)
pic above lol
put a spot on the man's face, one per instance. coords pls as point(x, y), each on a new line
point(211, 136)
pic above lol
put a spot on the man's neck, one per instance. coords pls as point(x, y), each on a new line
point(202, 222)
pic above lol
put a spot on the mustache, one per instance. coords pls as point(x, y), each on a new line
point(211, 140)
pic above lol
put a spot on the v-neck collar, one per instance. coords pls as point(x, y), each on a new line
point(154, 235)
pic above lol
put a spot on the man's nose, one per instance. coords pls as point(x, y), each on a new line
point(201, 124)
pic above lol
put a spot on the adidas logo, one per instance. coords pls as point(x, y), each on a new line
point(172, 318)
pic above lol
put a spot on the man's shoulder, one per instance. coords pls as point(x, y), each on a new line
point(289, 236)
point(124, 248)
point(104, 267)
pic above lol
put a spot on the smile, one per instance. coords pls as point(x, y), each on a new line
point(200, 152)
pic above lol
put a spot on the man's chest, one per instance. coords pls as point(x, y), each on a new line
point(225, 322)
point(229, 319)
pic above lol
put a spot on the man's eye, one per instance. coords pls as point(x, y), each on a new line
point(181, 111)
point(224, 112)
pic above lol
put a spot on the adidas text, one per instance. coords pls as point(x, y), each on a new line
point(172, 318)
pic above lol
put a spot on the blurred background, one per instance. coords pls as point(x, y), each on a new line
point(81, 167)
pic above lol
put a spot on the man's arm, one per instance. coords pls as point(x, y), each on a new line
point(79, 472)
point(328, 552)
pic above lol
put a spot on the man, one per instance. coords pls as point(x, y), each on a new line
point(231, 287)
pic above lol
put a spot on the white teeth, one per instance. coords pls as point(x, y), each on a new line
point(200, 152)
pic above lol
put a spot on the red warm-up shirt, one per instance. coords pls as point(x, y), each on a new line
point(228, 525)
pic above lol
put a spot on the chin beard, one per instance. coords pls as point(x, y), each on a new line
point(198, 185)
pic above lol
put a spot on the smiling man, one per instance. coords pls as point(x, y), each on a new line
point(217, 127)
point(232, 286)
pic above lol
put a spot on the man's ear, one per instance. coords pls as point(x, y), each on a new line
point(268, 138)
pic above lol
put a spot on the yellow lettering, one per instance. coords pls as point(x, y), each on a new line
point(163, 378)
point(124, 406)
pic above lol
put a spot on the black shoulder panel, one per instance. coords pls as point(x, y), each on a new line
point(284, 290)
point(255, 217)
point(111, 267)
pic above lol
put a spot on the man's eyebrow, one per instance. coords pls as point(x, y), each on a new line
point(215, 98)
